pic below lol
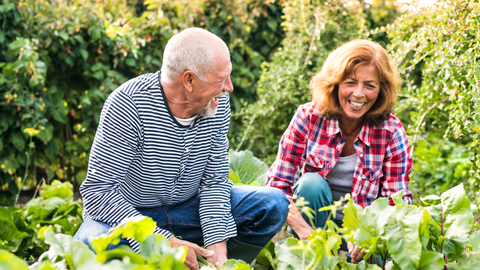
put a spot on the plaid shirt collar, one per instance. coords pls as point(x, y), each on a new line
point(333, 129)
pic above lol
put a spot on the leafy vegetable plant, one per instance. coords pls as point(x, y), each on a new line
point(437, 236)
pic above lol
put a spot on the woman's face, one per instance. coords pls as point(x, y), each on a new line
point(358, 92)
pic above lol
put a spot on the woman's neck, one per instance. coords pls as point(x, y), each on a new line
point(350, 127)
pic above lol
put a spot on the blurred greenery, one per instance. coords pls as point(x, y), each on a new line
point(61, 59)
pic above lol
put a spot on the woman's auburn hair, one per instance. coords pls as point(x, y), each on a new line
point(342, 63)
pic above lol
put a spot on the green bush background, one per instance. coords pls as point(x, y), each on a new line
point(59, 62)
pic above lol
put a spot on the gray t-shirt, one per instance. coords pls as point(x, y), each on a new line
point(340, 179)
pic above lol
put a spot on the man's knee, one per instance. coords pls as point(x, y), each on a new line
point(90, 228)
point(276, 204)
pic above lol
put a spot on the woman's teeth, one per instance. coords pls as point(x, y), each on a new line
point(356, 105)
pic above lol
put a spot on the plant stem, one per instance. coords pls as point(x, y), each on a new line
point(25, 175)
point(384, 262)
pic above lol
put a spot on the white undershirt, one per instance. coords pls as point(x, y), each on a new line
point(187, 121)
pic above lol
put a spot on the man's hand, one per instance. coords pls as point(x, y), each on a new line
point(193, 250)
point(220, 255)
point(355, 252)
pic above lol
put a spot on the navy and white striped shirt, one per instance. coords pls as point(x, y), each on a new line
point(142, 157)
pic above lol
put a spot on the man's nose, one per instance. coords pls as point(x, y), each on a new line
point(228, 86)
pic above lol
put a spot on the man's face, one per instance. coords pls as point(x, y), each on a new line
point(216, 85)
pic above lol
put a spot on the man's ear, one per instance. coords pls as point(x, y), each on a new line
point(187, 78)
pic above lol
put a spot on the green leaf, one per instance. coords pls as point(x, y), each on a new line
point(267, 256)
point(130, 62)
point(120, 253)
point(157, 250)
point(11, 238)
point(96, 34)
point(58, 189)
point(247, 168)
point(371, 224)
point(236, 265)
point(469, 262)
point(81, 176)
point(39, 208)
point(397, 197)
point(402, 234)
point(291, 252)
point(84, 54)
point(9, 261)
point(431, 200)
point(74, 252)
point(351, 212)
point(452, 221)
point(431, 260)
point(63, 35)
point(18, 141)
point(474, 241)
point(137, 228)
point(365, 266)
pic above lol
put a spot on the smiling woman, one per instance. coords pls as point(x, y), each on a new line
point(346, 140)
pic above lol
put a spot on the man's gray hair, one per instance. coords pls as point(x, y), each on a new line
point(192, 49)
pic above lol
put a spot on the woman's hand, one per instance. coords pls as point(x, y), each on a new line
point(193, 250)
point(355, 252)
point(297, 223)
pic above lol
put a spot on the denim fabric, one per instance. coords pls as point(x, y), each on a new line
point(259, 213)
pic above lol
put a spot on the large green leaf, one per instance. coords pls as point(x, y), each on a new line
point(156, 250)
point(267, 256)
point(469, 262)
point(39, 209)
point(74, 252)
point(292, 253)
point(452, 221)
point(431, 260)
point(352, 212)
point(8, 261)
point(10, 237)
point(246, 169)
point(59, 189)
point(371, 226)
point(474, 241)
point(137, 228)
point(402, 234)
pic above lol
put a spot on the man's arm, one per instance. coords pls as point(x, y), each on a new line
point(215, 192)
point(115, 145)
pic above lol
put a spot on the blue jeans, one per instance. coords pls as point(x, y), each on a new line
point(259, 213)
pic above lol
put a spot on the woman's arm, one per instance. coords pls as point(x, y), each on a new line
point(397, 165)
point(297, 223)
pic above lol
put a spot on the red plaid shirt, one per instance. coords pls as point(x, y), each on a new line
point(313, 143)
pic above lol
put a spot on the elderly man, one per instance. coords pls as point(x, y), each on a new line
point(161, 151)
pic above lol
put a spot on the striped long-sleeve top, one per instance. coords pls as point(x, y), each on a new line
point(142, 157)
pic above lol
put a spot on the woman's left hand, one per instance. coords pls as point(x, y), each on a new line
point(355, 252)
